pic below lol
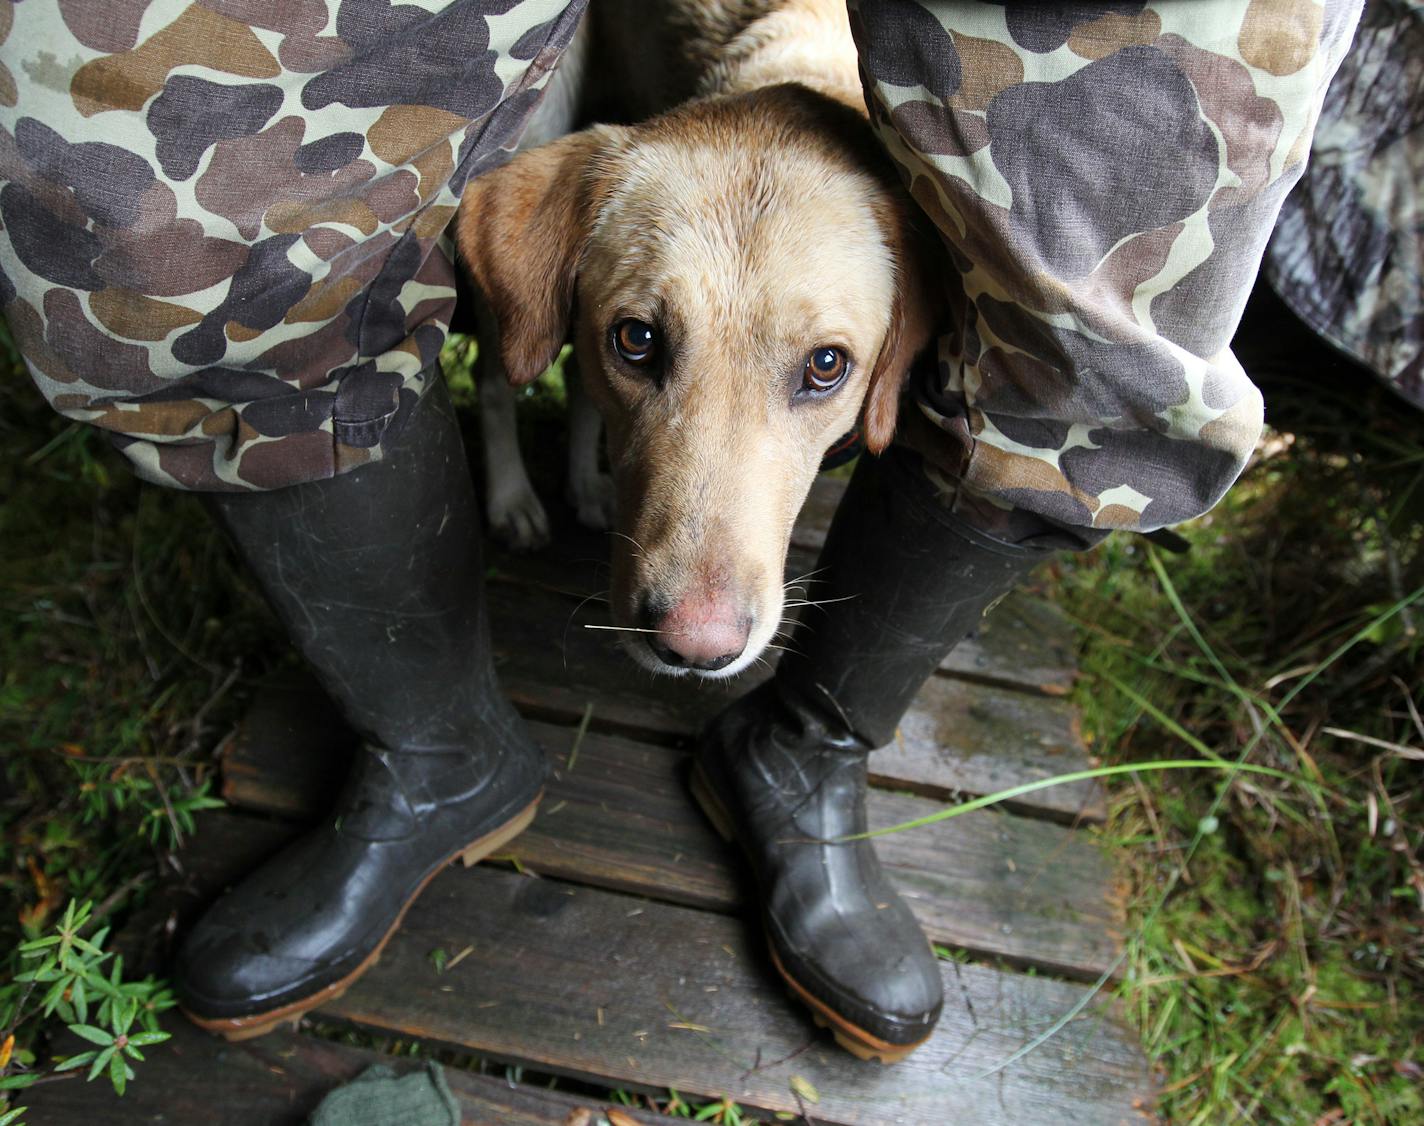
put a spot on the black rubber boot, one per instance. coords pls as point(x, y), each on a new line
point(783, 770)
point(377, 576)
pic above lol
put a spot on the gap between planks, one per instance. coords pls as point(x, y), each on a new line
point(278, 1080)
point(688, 1001)
point(625, 992)
point(1030, 893)
point(957, 737)
point(1026, 644)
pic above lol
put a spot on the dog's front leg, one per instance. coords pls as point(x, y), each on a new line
point(588, 490)
point(515, 513)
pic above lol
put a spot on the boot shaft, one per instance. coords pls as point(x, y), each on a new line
point(900, 582)
point(377, 576)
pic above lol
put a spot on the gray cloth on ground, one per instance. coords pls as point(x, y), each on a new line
point(378, 1097)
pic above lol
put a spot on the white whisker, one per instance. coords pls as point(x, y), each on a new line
point(564, 641)
point(817, 601)
point(642, 551)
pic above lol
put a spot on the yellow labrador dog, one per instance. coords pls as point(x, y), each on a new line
point(743, 285)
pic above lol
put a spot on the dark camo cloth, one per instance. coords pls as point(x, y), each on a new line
point(1348, 252)
point(221, 243)
point(221, 219)
point(1106, 176)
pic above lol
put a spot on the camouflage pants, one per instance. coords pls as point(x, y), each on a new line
point(224, 220)
point(1106, 177)
point(222, 225)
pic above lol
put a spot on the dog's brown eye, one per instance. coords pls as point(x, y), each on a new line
point(825, 368)
point(636, 341)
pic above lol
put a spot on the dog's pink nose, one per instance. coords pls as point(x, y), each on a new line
point(706, 633)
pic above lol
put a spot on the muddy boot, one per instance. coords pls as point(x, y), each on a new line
point(783, 770)
point(376, 575)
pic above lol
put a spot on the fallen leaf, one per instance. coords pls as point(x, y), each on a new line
point(805, 1089)
point(49, 897)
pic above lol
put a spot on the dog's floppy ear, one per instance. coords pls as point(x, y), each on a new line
point(520, 232)
point(914, 315)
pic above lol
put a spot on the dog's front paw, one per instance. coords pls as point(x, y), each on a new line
point(517, 516)
point(592, 498)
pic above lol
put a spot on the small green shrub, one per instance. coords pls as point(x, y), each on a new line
point(63, 976)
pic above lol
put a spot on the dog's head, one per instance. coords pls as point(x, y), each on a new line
point(744, 289)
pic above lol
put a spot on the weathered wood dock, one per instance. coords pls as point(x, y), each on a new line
point(614, 944)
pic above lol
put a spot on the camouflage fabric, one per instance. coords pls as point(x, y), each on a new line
point(1105, 176)
point(223, 225)
point(223, 221)
point(1348, 252)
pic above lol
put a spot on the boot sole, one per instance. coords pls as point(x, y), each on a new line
point(854, 1039)
point(259, 1024)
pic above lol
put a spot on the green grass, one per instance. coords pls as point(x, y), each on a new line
point(1275, 955)
point(128, 646)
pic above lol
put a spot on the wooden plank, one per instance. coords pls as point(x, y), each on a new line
point(623, 991)
point(996, 885)
point(956, 738)
point(962, 739)
point(278, 1080)
point(603, 987)
point(290, 751)
point(1026, 643)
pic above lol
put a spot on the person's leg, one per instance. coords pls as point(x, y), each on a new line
point(222, 242)
point(376, 574)
point(783, 770)
point(1104, 178)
